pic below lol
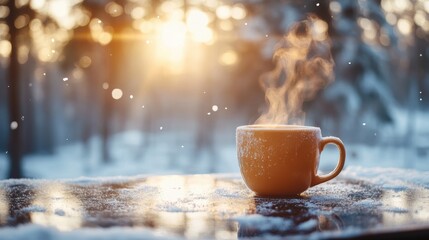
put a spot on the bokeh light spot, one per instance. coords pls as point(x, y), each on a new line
point(117, 93)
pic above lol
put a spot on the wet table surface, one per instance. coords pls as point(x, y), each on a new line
point(387, 202)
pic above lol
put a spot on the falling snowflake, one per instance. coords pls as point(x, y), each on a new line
point(65, 79)
point(131, 96)
point(350, 63)
point(226, 108)
point(209, 113)
point(317, 4)
point(13, 125)
point(215, 108)
point(160, 128)
point(364, 124)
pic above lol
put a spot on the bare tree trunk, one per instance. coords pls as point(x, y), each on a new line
point(106, 119)
point(15, 154)
point(48, 143)
point(28, 133)
point(110, 105)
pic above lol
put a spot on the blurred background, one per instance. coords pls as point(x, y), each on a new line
point(125, 87)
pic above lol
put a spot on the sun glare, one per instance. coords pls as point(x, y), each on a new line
point(197, 25)
point(170, 42)
point(172, 35)
point(169, 32)
point(60, 203)
point(196, 19)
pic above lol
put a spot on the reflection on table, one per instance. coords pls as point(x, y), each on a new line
point(215, 206)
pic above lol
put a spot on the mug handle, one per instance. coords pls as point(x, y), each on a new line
point(331, 140)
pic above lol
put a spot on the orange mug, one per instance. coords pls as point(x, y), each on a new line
point(282, 160)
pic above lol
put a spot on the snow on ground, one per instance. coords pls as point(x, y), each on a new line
point(72, 161)
point(170, 153)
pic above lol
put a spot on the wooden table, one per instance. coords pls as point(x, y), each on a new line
point(216, 207)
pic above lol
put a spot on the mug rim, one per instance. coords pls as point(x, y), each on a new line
point(277, 127)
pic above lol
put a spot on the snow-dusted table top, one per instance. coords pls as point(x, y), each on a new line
point(361, 202)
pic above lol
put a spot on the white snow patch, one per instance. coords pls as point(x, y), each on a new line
point(395, 210)
point(308, 225)
point(34, 208)
point(264, 223)
point(396, 179)
point(368, 203)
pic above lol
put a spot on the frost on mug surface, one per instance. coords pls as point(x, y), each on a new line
point(282, 160)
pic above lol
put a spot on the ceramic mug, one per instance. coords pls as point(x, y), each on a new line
point(282, 160)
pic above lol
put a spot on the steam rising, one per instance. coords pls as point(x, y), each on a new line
point(303, 66)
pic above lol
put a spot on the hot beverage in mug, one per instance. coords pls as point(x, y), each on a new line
point(282, 160)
